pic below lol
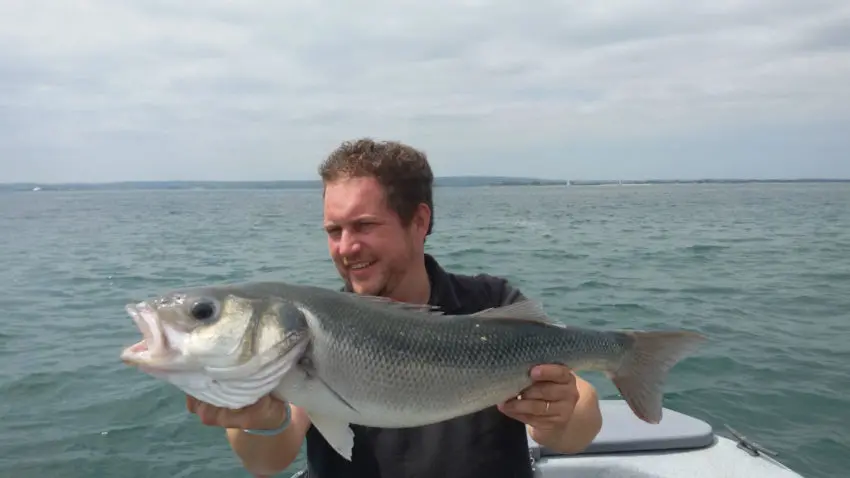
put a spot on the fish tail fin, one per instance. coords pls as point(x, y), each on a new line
point(641, 375)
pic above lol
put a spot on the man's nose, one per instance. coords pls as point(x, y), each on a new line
point(349, 244)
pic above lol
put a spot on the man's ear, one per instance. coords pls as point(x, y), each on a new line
point(421, 220)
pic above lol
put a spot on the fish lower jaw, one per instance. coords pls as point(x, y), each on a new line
point(154, 343)
point(139, 354)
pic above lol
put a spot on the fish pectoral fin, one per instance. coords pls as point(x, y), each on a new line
point(338, 434)
point(320, 386)
point(523, 310)
point(338, 396)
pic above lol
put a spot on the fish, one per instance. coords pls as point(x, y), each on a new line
point(347, 358)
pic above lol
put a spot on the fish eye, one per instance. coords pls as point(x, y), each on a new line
point(203, 309)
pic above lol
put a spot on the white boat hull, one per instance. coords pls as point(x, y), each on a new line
point(679, 447)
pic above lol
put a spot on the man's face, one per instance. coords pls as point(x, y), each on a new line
point(370, 247)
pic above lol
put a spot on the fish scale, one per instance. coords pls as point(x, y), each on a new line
point(434, 367)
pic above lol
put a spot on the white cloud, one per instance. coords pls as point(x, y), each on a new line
point(102, 90)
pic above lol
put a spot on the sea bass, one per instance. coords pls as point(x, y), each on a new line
point(348, 358)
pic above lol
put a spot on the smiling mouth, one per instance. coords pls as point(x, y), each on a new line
point(153, 343)
point(357, 266)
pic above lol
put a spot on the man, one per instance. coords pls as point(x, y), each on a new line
point(378, 210)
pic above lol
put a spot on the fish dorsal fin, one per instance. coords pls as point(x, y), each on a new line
point(385, 301)
point(524, 310)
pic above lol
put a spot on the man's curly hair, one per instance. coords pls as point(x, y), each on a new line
point(402, 171)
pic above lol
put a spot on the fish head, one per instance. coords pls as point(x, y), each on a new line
point(208, 338)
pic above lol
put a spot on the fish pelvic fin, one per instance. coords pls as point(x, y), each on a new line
point(524, 310)
point(643, 371)
point(338, 434)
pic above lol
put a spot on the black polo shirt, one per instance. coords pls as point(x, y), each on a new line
point(486, 444)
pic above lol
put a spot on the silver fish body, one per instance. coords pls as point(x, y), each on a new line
point(346, 358)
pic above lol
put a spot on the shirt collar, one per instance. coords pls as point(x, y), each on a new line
point(443, 294)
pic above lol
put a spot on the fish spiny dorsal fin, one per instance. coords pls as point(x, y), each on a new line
point(524, 310)
point(385, 301)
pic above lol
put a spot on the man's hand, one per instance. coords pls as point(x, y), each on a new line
point(560, 409)
point(548, 404)
point(267, 413)
point(262, 456)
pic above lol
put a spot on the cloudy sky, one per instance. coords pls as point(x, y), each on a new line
point(104, 90)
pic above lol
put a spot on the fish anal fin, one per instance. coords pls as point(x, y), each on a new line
point(523, 310)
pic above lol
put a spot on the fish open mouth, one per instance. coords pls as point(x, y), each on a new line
point(153, 341)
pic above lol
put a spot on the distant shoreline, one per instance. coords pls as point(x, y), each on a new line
point(446, 181)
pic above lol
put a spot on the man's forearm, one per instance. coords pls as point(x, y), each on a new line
point(268, 455)
point(582, 428)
